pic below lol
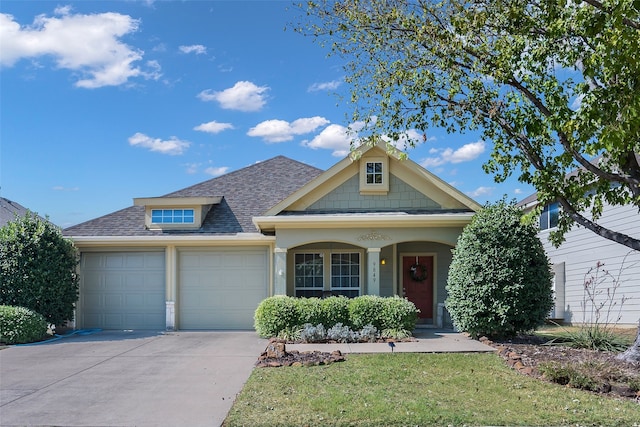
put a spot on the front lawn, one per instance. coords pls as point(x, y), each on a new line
point(418, 389)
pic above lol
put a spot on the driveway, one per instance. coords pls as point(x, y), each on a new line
point(120, 378)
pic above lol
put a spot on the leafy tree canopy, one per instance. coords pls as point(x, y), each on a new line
point(553, 84)
point(38, 268)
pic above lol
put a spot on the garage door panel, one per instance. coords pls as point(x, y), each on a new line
point(220, 289)
point(123, 290)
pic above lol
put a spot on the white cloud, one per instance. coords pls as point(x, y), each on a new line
point(517, 191)
point(243, 96)
point(87, 44)
point(213, 171)
point(172, 146)
point(465, 153)
point(213, 127)
point(198, 49)
point(281, 130)
point(333, 137)
point(316, 87)
point(481, 191)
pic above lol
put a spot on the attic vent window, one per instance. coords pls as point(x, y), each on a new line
point(172, 216)
point(374, 173)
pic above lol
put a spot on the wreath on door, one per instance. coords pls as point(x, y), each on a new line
point(418, 272)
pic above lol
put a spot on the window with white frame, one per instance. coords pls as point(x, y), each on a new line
point(343, 269)
point(309, 274)
point(549, 216)
point(374, 173)
point(345, 274)
point(172, 216)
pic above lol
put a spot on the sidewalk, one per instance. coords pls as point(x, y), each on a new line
point(428, 341)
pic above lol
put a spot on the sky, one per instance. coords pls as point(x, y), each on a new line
point(105, 101)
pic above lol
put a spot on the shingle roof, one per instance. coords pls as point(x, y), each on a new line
point(9, 209)
point(247, 192)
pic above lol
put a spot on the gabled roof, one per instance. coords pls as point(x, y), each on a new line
point(246, 193)
point(9, 210)
point(450, 197)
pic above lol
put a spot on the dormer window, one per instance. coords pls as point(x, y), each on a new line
point(374, 175)
point(175, 213)
point(172, 216)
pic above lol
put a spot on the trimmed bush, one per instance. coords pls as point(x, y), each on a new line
point(276, 314)
point(38, 268)
point(336, 310)
point(19, 325)
point(285, 317)
point(499, 280)
point(366, 310)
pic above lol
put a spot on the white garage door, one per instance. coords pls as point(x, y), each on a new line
point(123, 290)
point(221, 288)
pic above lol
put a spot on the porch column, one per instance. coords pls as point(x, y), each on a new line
point(373, 271)
point(280, 271)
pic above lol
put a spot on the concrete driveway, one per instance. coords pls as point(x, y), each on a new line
point(127, 378)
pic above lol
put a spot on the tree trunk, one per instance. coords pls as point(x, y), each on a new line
point(632, 354)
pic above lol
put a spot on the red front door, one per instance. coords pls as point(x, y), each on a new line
point(417, 283)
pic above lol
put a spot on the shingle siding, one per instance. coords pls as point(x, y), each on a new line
point(347, 197)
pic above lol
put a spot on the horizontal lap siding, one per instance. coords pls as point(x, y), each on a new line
point(582, 250)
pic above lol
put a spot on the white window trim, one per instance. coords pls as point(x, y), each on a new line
point(374, 189)
point(325, 254)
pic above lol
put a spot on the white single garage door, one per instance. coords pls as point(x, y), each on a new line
point(123, 290)
point(221, 288)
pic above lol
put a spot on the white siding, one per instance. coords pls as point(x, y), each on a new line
point(582, 251)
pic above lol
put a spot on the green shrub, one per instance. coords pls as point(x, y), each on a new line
point(19, 325)
point(276, 314)
point(399, 314)
point(366, 310)
point(336, 310)
point(310, 310)
point(499, 280)
point(38, 268)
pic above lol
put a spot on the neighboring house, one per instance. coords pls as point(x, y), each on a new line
point(9, 210)
point(576, 260)
point(205, 256)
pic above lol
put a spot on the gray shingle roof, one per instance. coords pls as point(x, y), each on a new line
point(247, 192)
point(9, 209)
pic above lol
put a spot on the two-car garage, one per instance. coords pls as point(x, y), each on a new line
point(217, 288)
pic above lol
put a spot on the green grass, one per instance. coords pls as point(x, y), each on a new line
point(418, 390)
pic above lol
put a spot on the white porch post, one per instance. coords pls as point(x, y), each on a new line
point(373, 271)
point(280, 271)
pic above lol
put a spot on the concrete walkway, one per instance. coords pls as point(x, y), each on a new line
point(428, 341)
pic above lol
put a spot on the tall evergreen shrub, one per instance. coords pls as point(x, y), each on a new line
point(499, 280)
point(38, 268)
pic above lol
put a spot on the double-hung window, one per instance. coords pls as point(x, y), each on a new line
point(345, 274)
point(343, 270)
point(309, 274)
point(549, 216)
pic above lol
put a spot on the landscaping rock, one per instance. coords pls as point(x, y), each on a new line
point(276, 355)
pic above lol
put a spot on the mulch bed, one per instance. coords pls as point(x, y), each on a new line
point(526, 353)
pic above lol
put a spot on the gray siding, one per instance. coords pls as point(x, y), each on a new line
point(400, 196)
point(582, 251)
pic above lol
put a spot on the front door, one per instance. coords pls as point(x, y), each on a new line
point(417, 283)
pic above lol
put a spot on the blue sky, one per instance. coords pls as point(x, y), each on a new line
point(101, 102)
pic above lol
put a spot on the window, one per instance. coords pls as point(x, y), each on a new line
point(172, 216)
point(343, 269)
point(549, 216)
point(309, 274)
point(345, 274)
point(374, 173)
